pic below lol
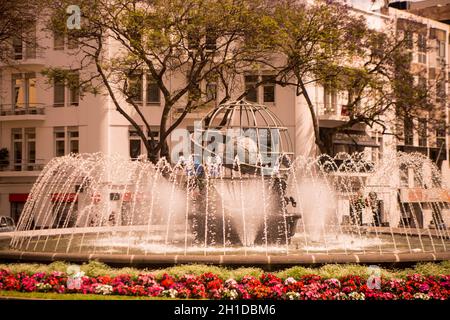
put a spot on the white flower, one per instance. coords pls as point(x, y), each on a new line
point(103, 289)
point(293, 295)
point(341, 296)
point(230, 294)
point(289, 281)
point(172, 293)
point(421, 296)
point(43, 286)
point(333, 282)
point(230, 283)
point(357, 296)
point(78, 275)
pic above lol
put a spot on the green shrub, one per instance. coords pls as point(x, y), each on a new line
point(194, 269)
point(294, 272)
point(28, 268)
point(239, 273)
point(95, 268)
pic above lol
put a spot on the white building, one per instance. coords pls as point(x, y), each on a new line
point(41, 120)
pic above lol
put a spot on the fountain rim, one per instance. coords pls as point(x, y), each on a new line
point(264, 261)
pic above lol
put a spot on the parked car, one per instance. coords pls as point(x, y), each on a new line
point(7, 224)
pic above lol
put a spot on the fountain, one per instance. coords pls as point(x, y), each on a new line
point(239, 198)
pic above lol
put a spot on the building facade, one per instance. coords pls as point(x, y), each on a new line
point(40, 120)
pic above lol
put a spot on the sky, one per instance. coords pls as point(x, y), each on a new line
point(371, 5)
point(367, 4)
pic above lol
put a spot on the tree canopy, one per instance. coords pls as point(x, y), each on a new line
point(298, 43)
point(16, 19)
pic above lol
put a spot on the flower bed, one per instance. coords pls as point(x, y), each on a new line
point(211, 286)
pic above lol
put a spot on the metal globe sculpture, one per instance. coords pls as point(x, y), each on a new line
point(247, 134)
point(254, 146)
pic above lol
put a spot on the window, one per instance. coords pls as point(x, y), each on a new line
point(135, 91)
point(66, 140)
point(23, 148)
point(422, 131)
point(58, 40)
point(265, 92)
point(422, 58)
point(409, 134)
point(59, 93)
point(211, 91)
point(422, 49)
point(329, 99)
point(441, 49)
point(268, 89)
point(409, 39)
point(17, 146)
point(135, 143)
point(24, 43)
point(143, 90)
point(252, 92)
point(422, 43)
point(30, 44)
point(211, 39)
point(193, 38)
point(74, 92)
point(73, 139)
point(153, 93)
point(19, 94)
point(60, 141)
point(61, 39)
point(66, 93)
point(440, 135)
point(30, 147)
point(440, 89)
point(17, 48)
point(24, 90)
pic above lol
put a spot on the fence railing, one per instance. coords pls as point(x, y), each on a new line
point(332, 109)
point(22, 109)
point(25, 165)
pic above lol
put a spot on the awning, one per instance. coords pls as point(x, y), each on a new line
point(64, 197)
point(360, 139)
point(424, 195)
point(18, 197)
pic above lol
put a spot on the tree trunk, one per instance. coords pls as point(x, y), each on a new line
point(319, 142)
point(152, 156)
point(165, 152)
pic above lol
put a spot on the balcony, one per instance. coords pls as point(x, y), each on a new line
point(17, 112)
point(25, 168)
point(27, 57)
point(332, 115)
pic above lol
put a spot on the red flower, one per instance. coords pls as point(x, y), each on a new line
point(167, 281)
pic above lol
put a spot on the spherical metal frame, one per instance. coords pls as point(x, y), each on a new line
point(244, 116)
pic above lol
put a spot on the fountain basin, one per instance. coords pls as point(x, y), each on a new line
point(264, 261)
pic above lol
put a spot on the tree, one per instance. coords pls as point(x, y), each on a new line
point(16, 18)
point(300, 43)
point(198, 40)
point(327, 44)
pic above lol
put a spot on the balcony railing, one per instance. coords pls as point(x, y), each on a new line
point(25, 165)
point(22, 109)
point(332, 110)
